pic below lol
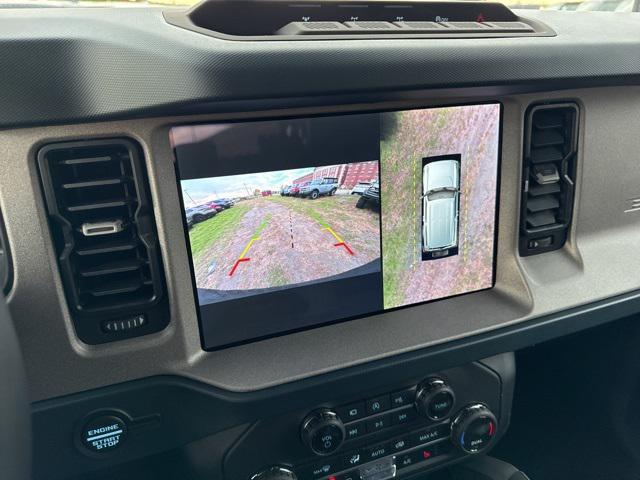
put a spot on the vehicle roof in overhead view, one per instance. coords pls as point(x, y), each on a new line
point(439, 175)
point(319, 239)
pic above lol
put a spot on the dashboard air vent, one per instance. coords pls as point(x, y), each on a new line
point(549, 173)
point(105, 237)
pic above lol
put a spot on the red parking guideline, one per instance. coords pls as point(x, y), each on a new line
point(235, 265)
point(342, 244)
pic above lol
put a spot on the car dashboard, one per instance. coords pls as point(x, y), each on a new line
point(305, 374)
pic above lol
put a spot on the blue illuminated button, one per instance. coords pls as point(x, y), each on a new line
point(320, 469)
point(378, 451)
point(353, 459)
point(378, 423)
point(404, 416)
point(402, 398)
point(352, 412)
point(431, 434)
point(355, 430)
point(103, 434)
point(408, 459)
point(378, 404)
point(402, 443)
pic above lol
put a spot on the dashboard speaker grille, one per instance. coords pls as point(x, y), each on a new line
point(105, 237)
point(549, 174)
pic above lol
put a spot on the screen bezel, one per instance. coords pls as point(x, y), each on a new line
point(372, 110)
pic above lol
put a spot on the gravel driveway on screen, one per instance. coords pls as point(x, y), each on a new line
point(473, 133)
point(283, 240)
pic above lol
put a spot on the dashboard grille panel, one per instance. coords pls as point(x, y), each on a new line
point(548, 180)
point(104, 234)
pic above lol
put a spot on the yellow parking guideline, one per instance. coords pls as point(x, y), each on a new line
point(246, 249)
point(334, 234)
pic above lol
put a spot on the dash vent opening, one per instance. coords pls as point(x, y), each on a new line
point(548, 177)
point(104, 234)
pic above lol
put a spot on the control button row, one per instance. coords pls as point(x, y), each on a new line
point(381, 422)
point(408, 27)
point(376, 405)
point(367, 454)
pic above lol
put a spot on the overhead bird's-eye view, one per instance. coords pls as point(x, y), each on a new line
point(438, 202)
point(319, 239)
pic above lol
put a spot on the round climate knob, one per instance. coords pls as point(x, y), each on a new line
point(275, 473)
point(435, 399)
point(323, 432)
point(474, 428)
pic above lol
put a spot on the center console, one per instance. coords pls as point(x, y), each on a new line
point(410, 427)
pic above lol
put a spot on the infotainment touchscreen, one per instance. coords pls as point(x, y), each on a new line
point(300, 222)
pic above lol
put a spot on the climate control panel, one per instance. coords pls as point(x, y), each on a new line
point(410, 427)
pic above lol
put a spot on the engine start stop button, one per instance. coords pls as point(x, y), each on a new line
point(104, 433)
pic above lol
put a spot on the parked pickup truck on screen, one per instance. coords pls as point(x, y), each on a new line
point(316, 188)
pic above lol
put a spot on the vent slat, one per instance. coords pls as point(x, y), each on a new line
point(546, 155)
point(95, 183)
point(118, 287)
point(536, 190)
point(546, 202)
point(85, 161)
point(541, 219)
point(99, 205)
point(549, 119)
point(111, 267)
point(108, 247)
point(547, 138)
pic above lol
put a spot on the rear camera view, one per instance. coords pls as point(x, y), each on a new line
point(299, 222)
point(260, 232)
point(439, 170)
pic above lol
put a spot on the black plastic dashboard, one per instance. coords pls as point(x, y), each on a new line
point(132, 63)
point(133, 75)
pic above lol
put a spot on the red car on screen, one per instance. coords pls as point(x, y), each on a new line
point(266, 193)
point(214, 205)
point(295, 190)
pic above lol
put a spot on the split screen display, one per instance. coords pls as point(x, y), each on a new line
point(293, 223)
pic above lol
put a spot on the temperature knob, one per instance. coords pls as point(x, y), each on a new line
point(323, 432)
point(474, 428)
point(435, 399)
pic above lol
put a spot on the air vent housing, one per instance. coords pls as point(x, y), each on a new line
point(105, 238)
point(548, 177)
